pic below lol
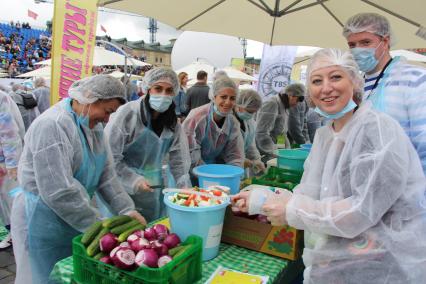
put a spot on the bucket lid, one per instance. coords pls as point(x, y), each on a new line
point(218, 171)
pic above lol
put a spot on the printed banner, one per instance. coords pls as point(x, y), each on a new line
point(74, 36)
point(275, 69)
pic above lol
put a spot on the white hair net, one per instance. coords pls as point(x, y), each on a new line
point(219, 74)
point(160, 74)
point(99, 87)
point(335, 57)
point(250, 99)
point(295, 89)
point(220, 83)
point(368, 22)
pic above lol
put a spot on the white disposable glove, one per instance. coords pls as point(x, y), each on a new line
point(275, 207)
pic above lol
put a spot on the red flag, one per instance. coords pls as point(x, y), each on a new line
point(103, 29)
point(32, 14)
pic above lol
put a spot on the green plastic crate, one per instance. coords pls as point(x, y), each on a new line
point(277, 177)
point(184, 269)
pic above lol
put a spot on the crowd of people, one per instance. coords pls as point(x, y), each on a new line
point(361, 200)
point(22, 47)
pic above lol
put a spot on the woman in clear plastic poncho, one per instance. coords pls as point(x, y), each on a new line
point(248, 103)
point(65, 160)
point(213, 132)
point(361, 198)
point(150, 149)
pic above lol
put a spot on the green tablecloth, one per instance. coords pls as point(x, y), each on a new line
point(230, 256)
point(3, 233)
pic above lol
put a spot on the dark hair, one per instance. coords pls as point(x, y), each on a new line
point(284, 100)
point(201, 75)
point(166, 119)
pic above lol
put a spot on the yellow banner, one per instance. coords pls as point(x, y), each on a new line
point(238, 63)
point(74, 36)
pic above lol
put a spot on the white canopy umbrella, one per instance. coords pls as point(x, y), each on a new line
point(193, 68)
point(118, 74)
point(237, 74)
point(44, 72)
point(276, 22)
point(104, 57)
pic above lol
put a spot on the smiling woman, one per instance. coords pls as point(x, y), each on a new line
point(361, 199)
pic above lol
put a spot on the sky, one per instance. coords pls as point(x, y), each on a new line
point(117, 25)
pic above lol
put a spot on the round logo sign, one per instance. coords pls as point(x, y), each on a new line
point(274, 79)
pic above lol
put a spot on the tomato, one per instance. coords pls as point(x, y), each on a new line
point(217, 192)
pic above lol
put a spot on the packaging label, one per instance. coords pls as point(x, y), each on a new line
point(213, 238)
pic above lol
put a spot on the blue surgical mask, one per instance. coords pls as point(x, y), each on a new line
point(244, 115)
point(216, 111)
point(365, 57)
point(83, 120)
point(160, 103)
point(349, 106)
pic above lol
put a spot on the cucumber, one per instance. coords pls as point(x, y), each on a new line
point(99, 255)
point(116, 221)
point(123, 236)
point(124, 227)
point(184, 249)
point(91, 233)
point(175, 250)
point(93, 248)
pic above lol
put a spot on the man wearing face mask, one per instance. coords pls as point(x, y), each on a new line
point(148, 144)
point(272, 120)
point(391, 84)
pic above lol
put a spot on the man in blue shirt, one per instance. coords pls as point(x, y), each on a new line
point(391, 84)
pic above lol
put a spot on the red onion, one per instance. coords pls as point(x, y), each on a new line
point(108, 242)
point(124, 258)
point(172, 240)
point(164, 260)
point(146, 257)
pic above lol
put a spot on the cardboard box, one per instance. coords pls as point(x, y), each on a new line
point(282, 241)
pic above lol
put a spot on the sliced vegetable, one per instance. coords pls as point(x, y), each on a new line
point(91, 233)
point(124, 227)
point(163, 260)
point(124, 258)
point(116, 221)
point(140, 244)
point(147, 257)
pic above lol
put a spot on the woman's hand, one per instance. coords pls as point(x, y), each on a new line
point(143, 186)
point(135, 214)
point(240, 201)
point(276, 207)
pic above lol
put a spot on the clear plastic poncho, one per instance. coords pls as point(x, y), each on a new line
point(52, 155)
point(125, 126)
point(361, 203)
point(272, 120)
point(229, 137)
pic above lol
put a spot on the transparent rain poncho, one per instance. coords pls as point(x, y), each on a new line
point(361, 203)
point(249, 99)
point(271, 121)
point(52, 155)
point(125, 126)
point(227, 139)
